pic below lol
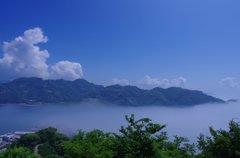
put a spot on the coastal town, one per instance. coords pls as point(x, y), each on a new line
point(7, 139)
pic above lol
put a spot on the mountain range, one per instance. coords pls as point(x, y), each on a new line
point(37, 90)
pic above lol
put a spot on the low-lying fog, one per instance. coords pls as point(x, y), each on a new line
point(188, 121)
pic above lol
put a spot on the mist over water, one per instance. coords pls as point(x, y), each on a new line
point(69, 118)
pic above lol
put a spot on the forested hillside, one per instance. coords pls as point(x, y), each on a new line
point(36, 90)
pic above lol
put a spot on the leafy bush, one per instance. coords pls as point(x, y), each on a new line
point(20, 152)
point(222, 143)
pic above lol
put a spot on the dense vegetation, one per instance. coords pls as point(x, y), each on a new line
point(34, 90)
point(139, 139)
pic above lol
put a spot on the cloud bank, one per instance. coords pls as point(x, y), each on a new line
point(22, 57)
point(230, 82)
point(150, 82)
point(123, 82)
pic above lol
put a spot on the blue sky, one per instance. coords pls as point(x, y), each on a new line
point(129, 39)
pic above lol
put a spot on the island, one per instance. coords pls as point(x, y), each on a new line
point(36, 90)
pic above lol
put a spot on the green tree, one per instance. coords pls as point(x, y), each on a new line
point(48, 135)
point(46, 150)
point(53, 142)
point(138, 138)
point(179, 148)
point(20, 152)
point(94, 144)
point(28, 140)
point(221, 143)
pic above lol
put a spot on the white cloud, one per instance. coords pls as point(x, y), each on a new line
point(118, 81)
point(230, 82)
point(150, 82)
point(67, 70)
point(154, 82)
point(178, 82)
point(34, 36)
point(22, 57)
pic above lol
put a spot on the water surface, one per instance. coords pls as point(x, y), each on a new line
point(188, 121)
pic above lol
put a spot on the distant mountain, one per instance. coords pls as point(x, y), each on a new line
point(232, 101)
point(36, 90)
point(3, 81)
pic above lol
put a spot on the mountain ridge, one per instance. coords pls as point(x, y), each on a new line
point(37, 90)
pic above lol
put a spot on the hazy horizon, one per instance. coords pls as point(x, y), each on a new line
point(69, 118)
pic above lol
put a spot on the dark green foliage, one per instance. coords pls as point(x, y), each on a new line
point(52, 141)
point(94, 144)
point(48, 135)
point(46, 150)
point(222, 143)
point(138, 138)
point(179, 148)
point(29, 141)
point(20, 152)
point(34, 90)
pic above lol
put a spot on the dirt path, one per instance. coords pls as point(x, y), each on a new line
point(36, 150)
